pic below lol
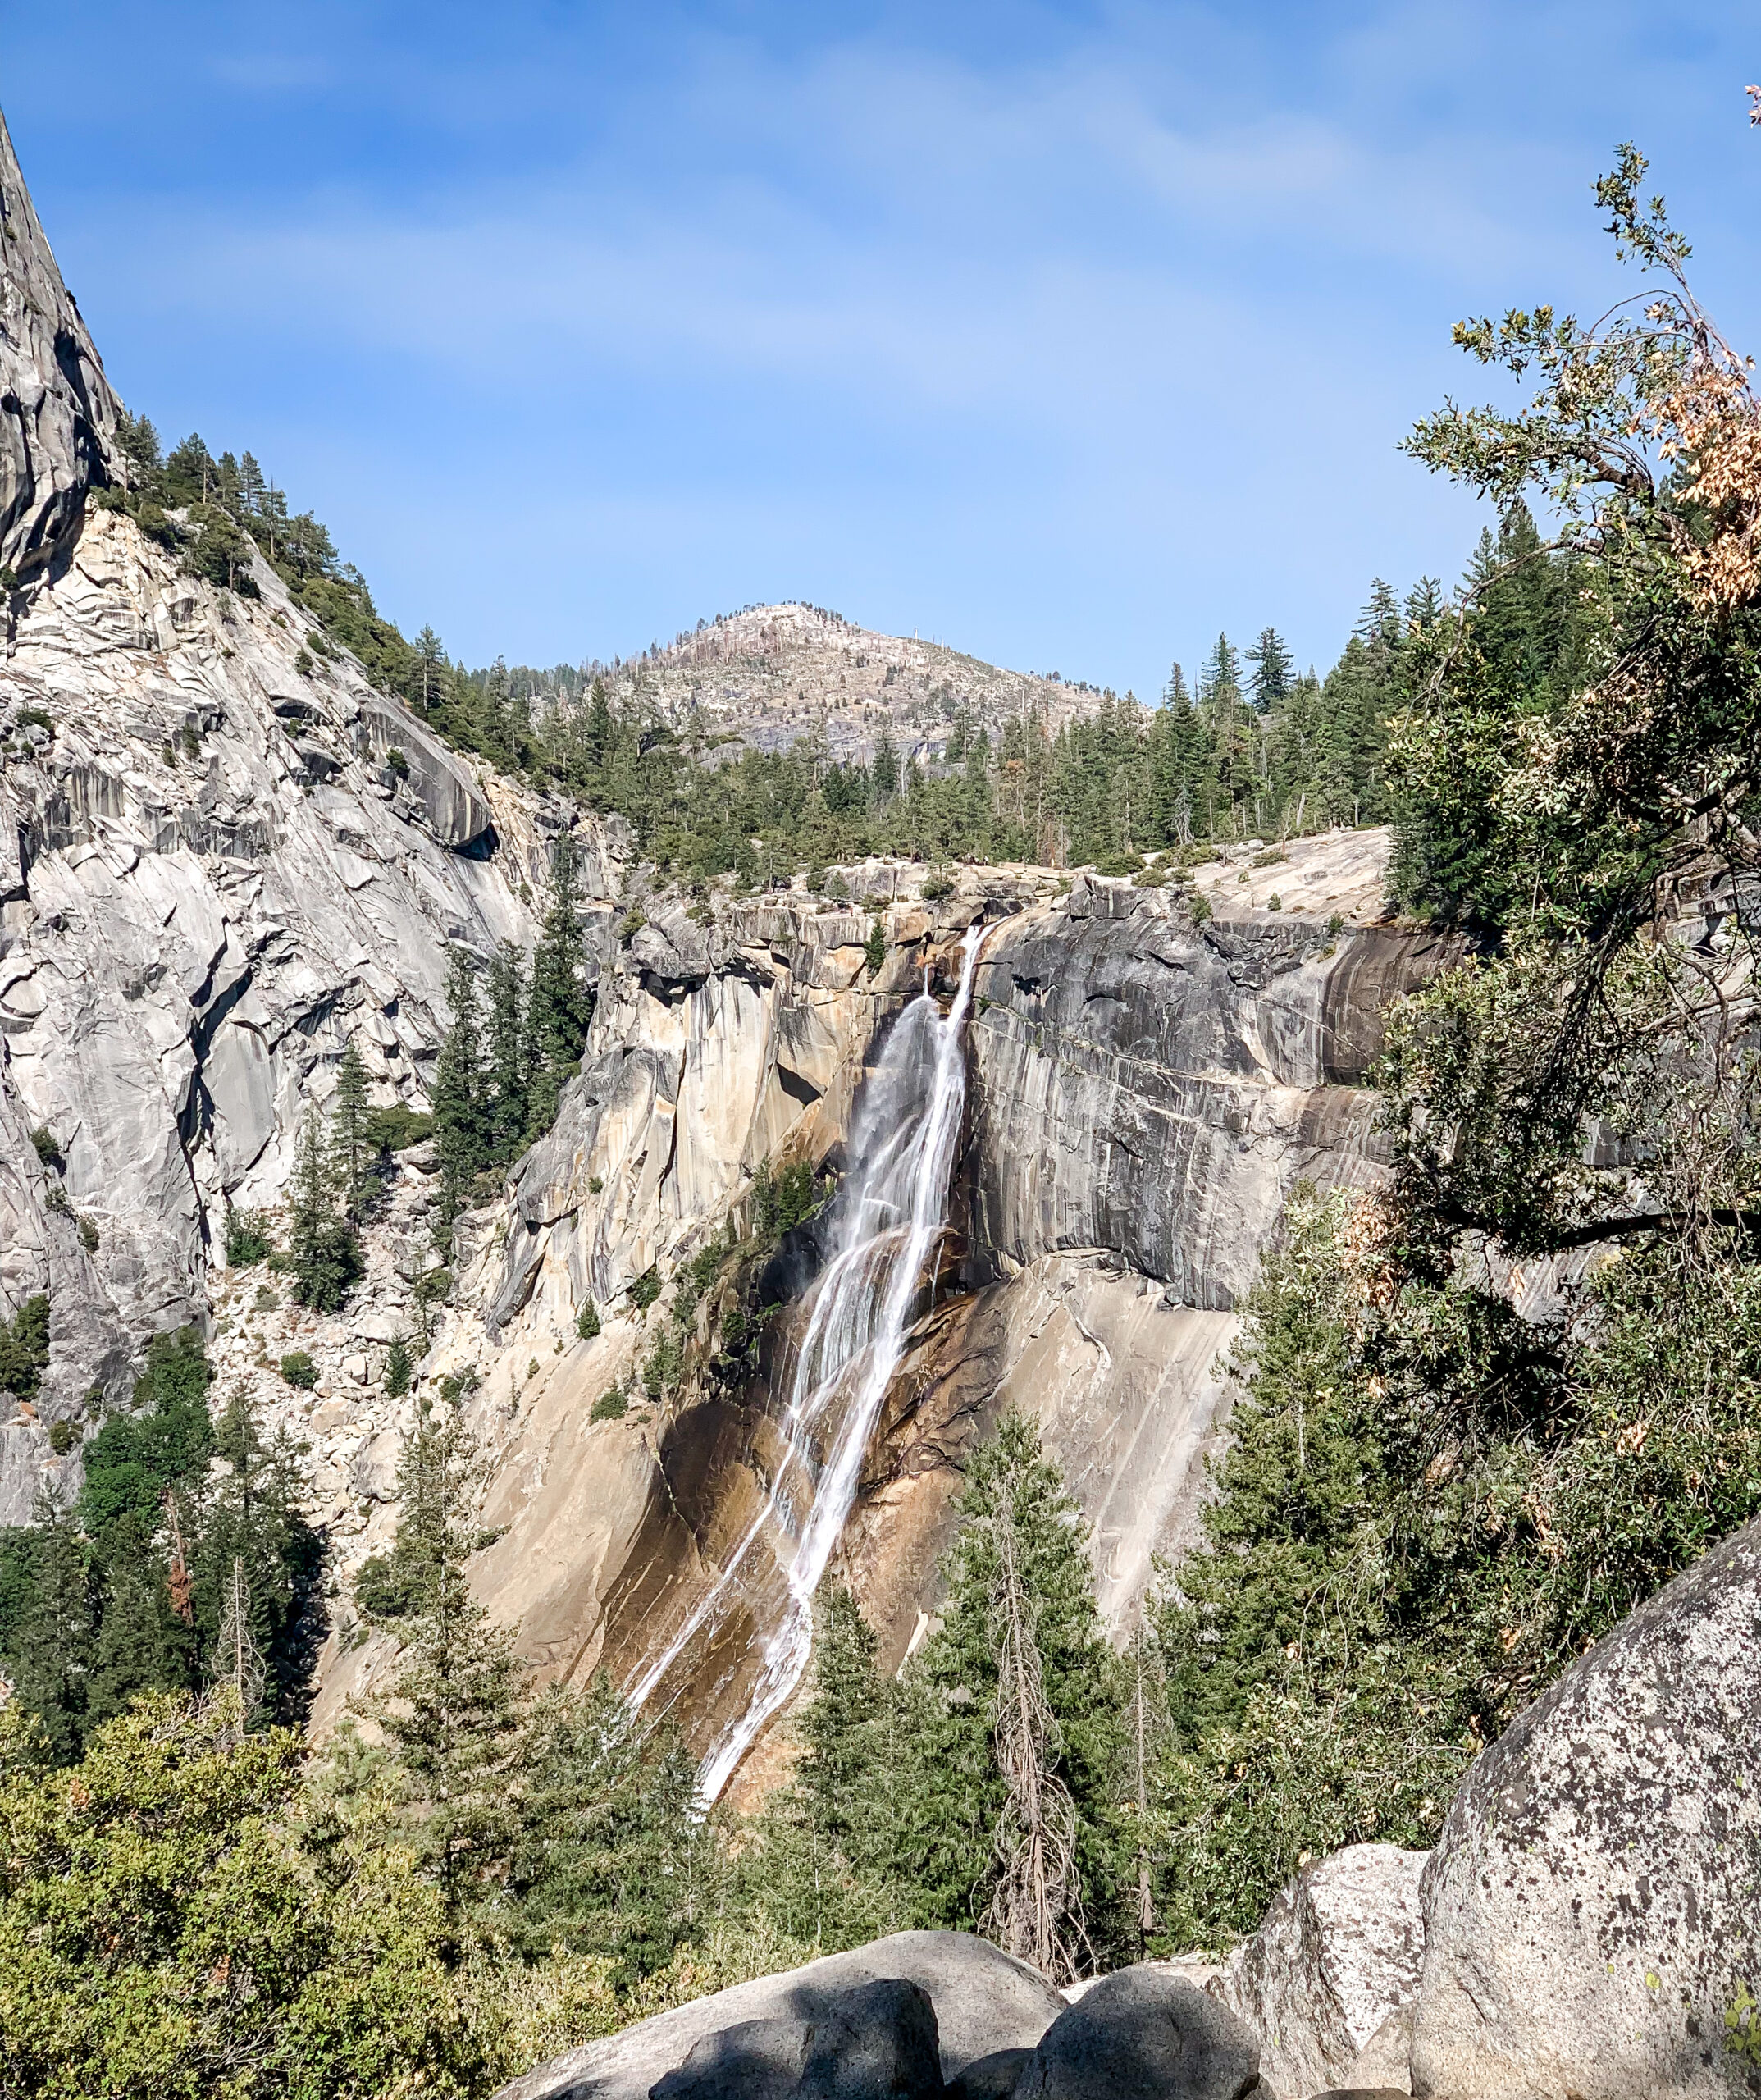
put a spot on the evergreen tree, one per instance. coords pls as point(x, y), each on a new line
point(322, 1242)
point(1274, 671)
point(51, 1649)
point(956, 1797)
point(609, 1855)
point(508, 1050)
point(354, 1150)
point(463, 1138)
point(561, 1006)
point(453, 1717)
point(885, 769)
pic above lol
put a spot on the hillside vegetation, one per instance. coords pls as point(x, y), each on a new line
point(1484, 1410)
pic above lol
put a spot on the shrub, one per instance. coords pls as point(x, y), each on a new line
point(646, 1290)
point(587, 1320)
point(62, 1438)
point(397, 763)
point(875, 948)
point(42, 1140)
point(266, 1300)
point(399, 1368)
point(397, 1128)
point(1120, 864)
point(633, 923)
point(1274, 902)
point(594, 1185)
point(25, 1349)
point(1201, 911)
point(1336, 923)
point(247, 1239)
point(610, 1406)
point(936, 887)
point(1270, 857)
point(87, 1234)
point(299, 1371)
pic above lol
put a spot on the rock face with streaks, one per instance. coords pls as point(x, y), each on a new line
point(56, 405)
point(1144, 1091)
point(214, 873)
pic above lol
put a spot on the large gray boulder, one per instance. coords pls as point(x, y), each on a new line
point(1593, 1906)
point(1142, 2034)
point(984, 2000)
point(876, 2042)
point(1338, 1953)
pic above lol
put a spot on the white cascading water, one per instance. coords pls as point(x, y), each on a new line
point(888, 1214)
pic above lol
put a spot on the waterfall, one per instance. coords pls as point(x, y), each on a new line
point(887, 1216)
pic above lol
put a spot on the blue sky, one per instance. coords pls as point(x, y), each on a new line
point(1069, 334)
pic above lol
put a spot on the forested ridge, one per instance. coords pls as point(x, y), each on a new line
point(1483, 1410)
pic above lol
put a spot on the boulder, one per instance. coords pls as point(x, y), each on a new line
point(983, 2001)
point(994, 2077)
point(876, 2042)
point(1593, 1907)
point(1142, 2033)
point(1339, 1951)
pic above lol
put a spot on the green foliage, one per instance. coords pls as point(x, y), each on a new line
point(875, 948)
point(611, 1405)
point(782, 1201)
point(298, 1368)
point(587, 1320)
point(399, 1368)
point(126, 1593)
point(324, 1248)
point(42, 1142)
point(1430, 1508)
point(646, 1290)
point(247, 1239)
point(168, 1929)
point(25, 1349)
point(397, 1128)
point(953, 1793)
point(63, 1436)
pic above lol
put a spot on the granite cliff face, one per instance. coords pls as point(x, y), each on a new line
point(224, 856)
point(56, 405)
point(1144, 1091)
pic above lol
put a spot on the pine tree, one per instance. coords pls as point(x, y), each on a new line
point(508, 1049)
point(885, 769)
point(955, 1795)
point(354, 1152)
point(322, 1242)
point(453, 1713)
point(459, 1097)
point(1274, 671)
point(560, 1006)
point(51, 1649)
point(610, 1854)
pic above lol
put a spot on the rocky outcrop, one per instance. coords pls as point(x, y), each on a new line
point(1144, 1091)
point(1335, 1962)
point(1593, 1907)
point(197, 916)
point(983, 2001)
point(55, 406)
point(1152, 1088)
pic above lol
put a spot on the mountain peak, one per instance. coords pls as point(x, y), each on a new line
point(768, 675)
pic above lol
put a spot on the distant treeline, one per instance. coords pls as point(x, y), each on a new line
point(1250, 748)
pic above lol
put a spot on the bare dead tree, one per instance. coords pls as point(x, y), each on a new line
point(1035, 1911)
point(237, 1664)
